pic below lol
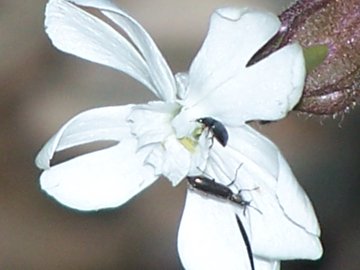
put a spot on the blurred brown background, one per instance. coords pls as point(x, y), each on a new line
point(41, 88)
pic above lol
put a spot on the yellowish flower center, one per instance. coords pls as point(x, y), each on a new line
point(190, 143)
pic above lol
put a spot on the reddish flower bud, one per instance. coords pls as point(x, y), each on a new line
point(329, 31)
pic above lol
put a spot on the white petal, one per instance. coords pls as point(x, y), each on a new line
point(151, 123)
point(75, 31)
point(158, 68)
point(101, 179)
point(209, 237)
point(279, 88)
point(291, 226)
point(246, 145)
point(182, 82)
point(267, 90)
point(263, 264)
point(176, 161)
point(289, 192)
point(108, 123)
point(78, 32)
point(234, 36)
point(282, 239)
point(171, 159)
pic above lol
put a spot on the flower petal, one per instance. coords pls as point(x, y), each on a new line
point(150, 123)
point(263, 264)
point(76, 31)
point(267, 90)
point(108, 123)
point(269, 96)
point(171, 159)
point(101, 179)
point(234, 36)
point(246, 146)
point(282, 239)
point(288, 192)
point(291, 227)
point(209, 237)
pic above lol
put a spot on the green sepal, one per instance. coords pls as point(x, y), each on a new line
point(314, 56)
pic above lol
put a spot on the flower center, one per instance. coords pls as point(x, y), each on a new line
point(191, 142)
point(189, 131)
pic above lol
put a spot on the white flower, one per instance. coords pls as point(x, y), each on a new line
point(164, 138)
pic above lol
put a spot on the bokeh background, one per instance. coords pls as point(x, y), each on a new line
point(41, 88)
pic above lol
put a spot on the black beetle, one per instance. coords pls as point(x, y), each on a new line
point(209, 186)
point(217, 129)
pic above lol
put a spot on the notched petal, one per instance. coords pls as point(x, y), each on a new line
point(228, 46)
point(102, 179)
point(100, 124)
point(237, 94)
point(77, 31)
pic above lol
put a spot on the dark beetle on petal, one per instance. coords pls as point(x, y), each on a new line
point(209, 186)
point(217, 129)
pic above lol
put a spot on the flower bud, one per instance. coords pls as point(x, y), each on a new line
point(329, 32)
